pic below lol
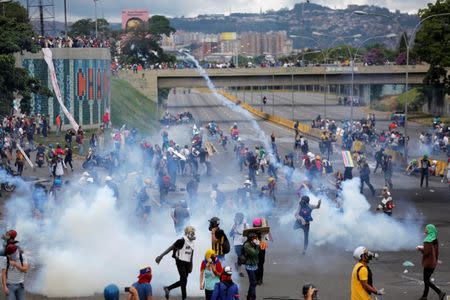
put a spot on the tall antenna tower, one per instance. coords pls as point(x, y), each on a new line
point(42, 15)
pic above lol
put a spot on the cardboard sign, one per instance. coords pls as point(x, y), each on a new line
point(257, 230)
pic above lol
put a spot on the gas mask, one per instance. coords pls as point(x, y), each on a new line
point(191, 235)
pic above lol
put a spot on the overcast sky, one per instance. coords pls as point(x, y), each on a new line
point(111, 9)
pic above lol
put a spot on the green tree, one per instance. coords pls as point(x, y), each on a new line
point(432, 45)
point(159, 25)
point(87, 27)
point(142, 46)
point(16, 35)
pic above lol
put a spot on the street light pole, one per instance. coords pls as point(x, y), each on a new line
point(96, 28)
point(65, 19)
point(408, 43)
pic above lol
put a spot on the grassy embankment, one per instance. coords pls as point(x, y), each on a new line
point(129, 106)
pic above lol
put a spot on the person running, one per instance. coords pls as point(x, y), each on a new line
point(183, 253)
point(362, 281)
point(226, 289)
point(430, 256)
point(210, 271)
point(303, 218)
point(364, 175)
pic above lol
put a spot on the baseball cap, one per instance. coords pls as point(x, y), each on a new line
point(145, 270)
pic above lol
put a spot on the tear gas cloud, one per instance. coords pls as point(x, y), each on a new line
point(87, 240)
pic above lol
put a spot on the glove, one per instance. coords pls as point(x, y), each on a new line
point(381, 292)
point(158, 259)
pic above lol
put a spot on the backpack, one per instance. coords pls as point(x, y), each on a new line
point(7, 262)
point(226, 244)
point(242, 259)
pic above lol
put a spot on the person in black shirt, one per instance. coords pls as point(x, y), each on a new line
point(424, 169)
point(182, 252)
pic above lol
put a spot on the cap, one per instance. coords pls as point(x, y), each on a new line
point(359, 252)
point(146, 270)
point(257, 222)
point(11, 234)
point(228, 270)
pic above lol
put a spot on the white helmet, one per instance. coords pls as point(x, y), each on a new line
point(86, 174)
point(108, 178)
point(359, 252)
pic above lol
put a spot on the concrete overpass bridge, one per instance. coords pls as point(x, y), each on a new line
point(337, 78)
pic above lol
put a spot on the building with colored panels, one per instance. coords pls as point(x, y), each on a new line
point(84, 80)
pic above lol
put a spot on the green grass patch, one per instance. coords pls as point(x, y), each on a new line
point(415, 98)
point(129, 106)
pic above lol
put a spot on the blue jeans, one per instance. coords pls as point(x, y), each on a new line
point(16, 291)
point(251, 294)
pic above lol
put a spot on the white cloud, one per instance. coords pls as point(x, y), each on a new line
point(111, 9)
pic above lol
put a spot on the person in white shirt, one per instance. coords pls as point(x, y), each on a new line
point(237, 233)
point(14, 266)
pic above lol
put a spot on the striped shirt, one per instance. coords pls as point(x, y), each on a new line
point(15, 276)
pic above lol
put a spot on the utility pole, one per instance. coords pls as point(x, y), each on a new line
point(95, 8)
point(65, 19)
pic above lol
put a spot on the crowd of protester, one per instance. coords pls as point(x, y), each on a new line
point(71, 42)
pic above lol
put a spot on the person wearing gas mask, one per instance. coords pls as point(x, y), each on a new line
point(183, 252)
point(303, 218)
point(362, 281)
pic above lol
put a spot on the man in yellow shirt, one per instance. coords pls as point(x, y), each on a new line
point(362, 285)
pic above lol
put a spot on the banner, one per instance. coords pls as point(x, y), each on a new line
point(48, 59)
point(24, 154)
point(348, 160)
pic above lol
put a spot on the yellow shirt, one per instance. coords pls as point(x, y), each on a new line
point(358, 292)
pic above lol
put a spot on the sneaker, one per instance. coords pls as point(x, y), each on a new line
point(166, 292)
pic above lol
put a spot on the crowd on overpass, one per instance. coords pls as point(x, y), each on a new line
point(79, 41)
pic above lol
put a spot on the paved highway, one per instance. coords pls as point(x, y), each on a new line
point(326, 266)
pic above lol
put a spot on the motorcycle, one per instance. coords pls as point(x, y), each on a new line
point(6, 185)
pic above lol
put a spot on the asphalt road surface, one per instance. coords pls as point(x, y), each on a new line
point(327, 267)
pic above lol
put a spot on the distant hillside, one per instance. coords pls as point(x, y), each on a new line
point(304, 19)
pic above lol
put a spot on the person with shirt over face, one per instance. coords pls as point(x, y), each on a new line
point(226, 289)
point(218, 238)
point(303, 218)
point(183, 253)
point(430, 256)
point(142, 289)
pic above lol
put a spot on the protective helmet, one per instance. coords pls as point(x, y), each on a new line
point(86, 174)
point(257, 222)
point(214, 222)
point(108, 178)
point(189, 231)
point(359, 252)
point(228, 270)
point(209, 253)
point(271, 179)
point(247, 182)
point(310, 155)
